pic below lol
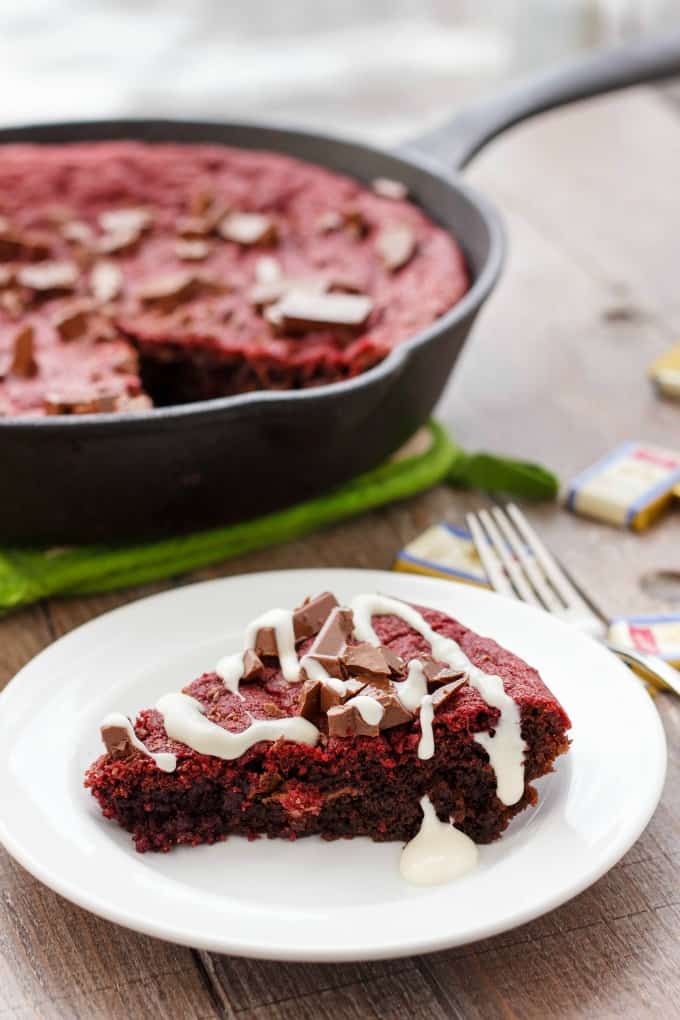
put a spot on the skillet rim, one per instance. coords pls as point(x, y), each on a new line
point(263, 401)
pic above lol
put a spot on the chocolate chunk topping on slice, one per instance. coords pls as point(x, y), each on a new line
point(77, 232)
point(394, 713)
point(366, 659)
point(442, 694)
point(192, 251)
point(266, 293)
point(23, 361)
point(117, 741)
point(387, 188)
point(49, 276)
point(299, 312)
point(307, 621)
point(71, 321)
point(439, 673)
point(252, 665)
point(106, 281)
point(309, 704)
point(167, 290)
point(125, 220)
point(396, 246)
point(346, 721)
point(331, 641)
point(330, 697)
point(80, 403)
point(248, 228)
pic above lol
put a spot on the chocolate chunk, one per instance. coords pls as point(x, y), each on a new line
point(133, 220)
point(117, 741)
point(7, 276)
point(10, 242)
point(394, 713)
point(267, 293)
point(78, 232)
point(355, 223)
point(331, 640)
point(309, 703)
point(49, 276)
point(329, 221)
point(395, 662)
point(365, 659)
point(396, 246)
point(387, 188)
point(252, 665)
point(106, 281)
point(299, 312)
point(307, 621)
point(192, 251)
point(438, 673)
point(80, 403)
point(329, 697)
point(200, 201)
point(23, 362)
point(247, 228)
point(71, 321)
point(346, 721)
point(442, 694)
point(167, 290)
point(194, 226)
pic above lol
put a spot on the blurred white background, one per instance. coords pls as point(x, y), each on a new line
point(378, 68)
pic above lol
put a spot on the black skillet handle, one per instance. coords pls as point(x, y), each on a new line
point(457, 141)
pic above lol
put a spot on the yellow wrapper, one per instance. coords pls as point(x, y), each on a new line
point(443, 551)
point(657, 635)
point(665, 371)
point(630, 487)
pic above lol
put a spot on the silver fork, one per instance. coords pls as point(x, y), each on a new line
point(519, 565)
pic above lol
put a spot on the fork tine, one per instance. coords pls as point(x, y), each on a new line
point(512, 568)
point(531, 568)
point(553, 571)
point(490, 561)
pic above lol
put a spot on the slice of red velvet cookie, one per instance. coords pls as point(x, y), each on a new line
point(373, 719)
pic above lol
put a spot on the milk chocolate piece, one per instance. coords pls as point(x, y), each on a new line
point(10, 242)
point(442, 694)
point(80, 403)
point(117, 741)
point(192, 251)
point(252, 665)
point(387, 188)
point(354, 222)
point(167, 290)
point(346, 721)
point(23, 358)
point(329, 697)
point(200, 201)
point(247, 228)
point(77, 232)
point(331, 640)
point(299, 311)
point(394, 713)
point(106, 281)
point(365, 659)
point(438, 673)
point(133, 220)
point(396, 246)
point(309, 703)
point(329, 222)
point(307, 621)
point(49, 276)
point(71, 321)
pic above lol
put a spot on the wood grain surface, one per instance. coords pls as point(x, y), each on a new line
point(554, 371)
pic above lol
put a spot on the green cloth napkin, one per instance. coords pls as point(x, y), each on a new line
point(29, 574)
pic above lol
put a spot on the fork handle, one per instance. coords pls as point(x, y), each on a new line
point(649, 667)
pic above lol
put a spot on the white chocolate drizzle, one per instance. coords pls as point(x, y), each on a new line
point(230, 668)
point(506, 747)
point(426, 742)
point(184, 720)
point(438, 853)
point(165, 761)
point(370, 710)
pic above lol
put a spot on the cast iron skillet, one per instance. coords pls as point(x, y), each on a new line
point(174, 468)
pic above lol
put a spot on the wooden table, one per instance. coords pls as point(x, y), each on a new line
point(554, 371)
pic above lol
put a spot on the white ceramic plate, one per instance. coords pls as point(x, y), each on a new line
point(312, 900)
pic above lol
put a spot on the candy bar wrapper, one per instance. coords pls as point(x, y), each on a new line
point(657, 635)
point(444, 551)
point(629, 488)
point(665, 372)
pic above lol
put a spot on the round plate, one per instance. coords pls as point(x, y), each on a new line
point(312, 900)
